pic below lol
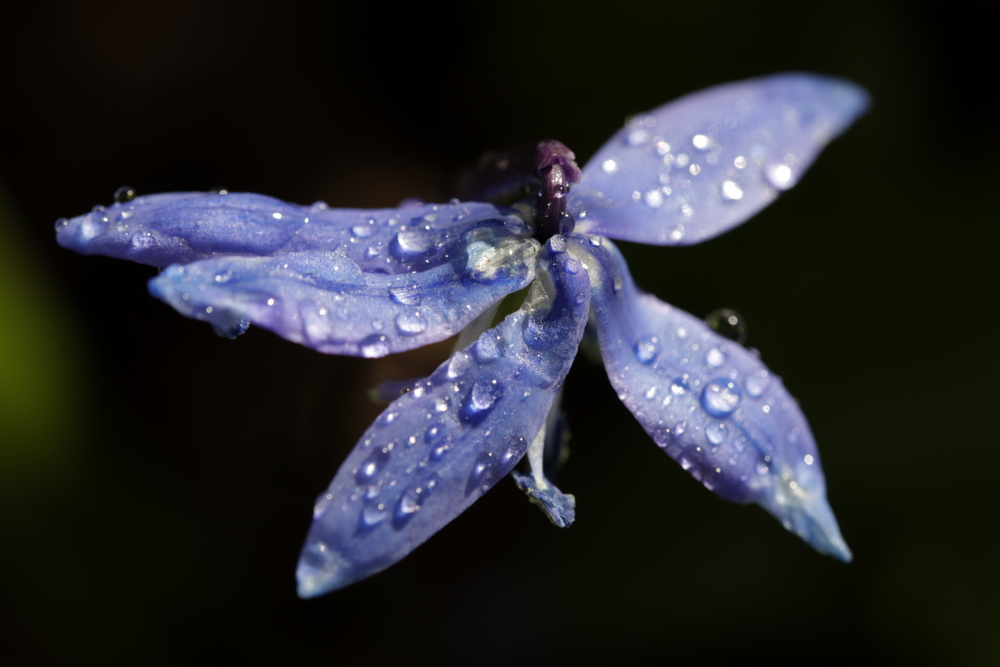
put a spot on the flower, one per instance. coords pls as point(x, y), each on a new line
point(373, 282)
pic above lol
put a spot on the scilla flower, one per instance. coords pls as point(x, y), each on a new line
point(373, 282)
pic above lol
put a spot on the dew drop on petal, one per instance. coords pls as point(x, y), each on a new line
point(731, 191)
point(609, 166)
point(374, 346)
point(780, 176)
point(715, 357)
point(756, 383)
point(373, 516)
point(411, 323)
point(716, 433)
point(720, 398)
point(646, 349)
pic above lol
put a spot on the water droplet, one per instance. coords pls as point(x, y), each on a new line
point(124, 194)
point(757, 382)
point(433, 434)
point(387, 418)
point(651, 392)
point(740, 162)
point(373, 516)
point(487, 348)
point(481, 400)
point(374, 346)
point(720, 398)
point(716, 433)
point(727, 323)
point(654, 199)
point(458, 364)
point(405, 296)
point(715, 357)
point(701, 142)
point(638, 137)
point(570, 265)
point(438, 452)
point(677, 233)
point(731, 191)
point(370, 467)
point(481, 477)
point(609, 166)
point(363, 231)
point(413, 241)
point(780, 176)
point(596, 241)
point(618, 283)
point(407, 506)
point(411, 323)
point(646, 349)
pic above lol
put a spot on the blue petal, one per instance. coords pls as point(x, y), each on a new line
point(709, 403)
point(703, 164)
point(439, 447)
point(324, 301)
point(178, 228)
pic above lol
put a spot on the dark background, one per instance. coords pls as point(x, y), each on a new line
point(157, 481)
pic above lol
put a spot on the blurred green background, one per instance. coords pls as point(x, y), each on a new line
point(156, 481)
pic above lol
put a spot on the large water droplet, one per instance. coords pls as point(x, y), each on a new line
point(414, 241)
point(411, 323)
point(720, 398)
point(374, 346)
point(481, 400)
point(609, 166)
point(646, 349)
point(701, 142)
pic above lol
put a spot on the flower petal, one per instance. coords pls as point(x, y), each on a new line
point(323, 300)
point(709, 403)
point(182, 227)
point(439, 447)
point(703, 164)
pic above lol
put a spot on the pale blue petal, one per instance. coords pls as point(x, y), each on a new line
point(182, 227)
point(709, 403)
point(443, 444)
point(323, 300)
point(705, 163)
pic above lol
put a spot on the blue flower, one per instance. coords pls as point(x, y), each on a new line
point(374, 282)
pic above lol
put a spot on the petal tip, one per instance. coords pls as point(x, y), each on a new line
point(321, 570)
